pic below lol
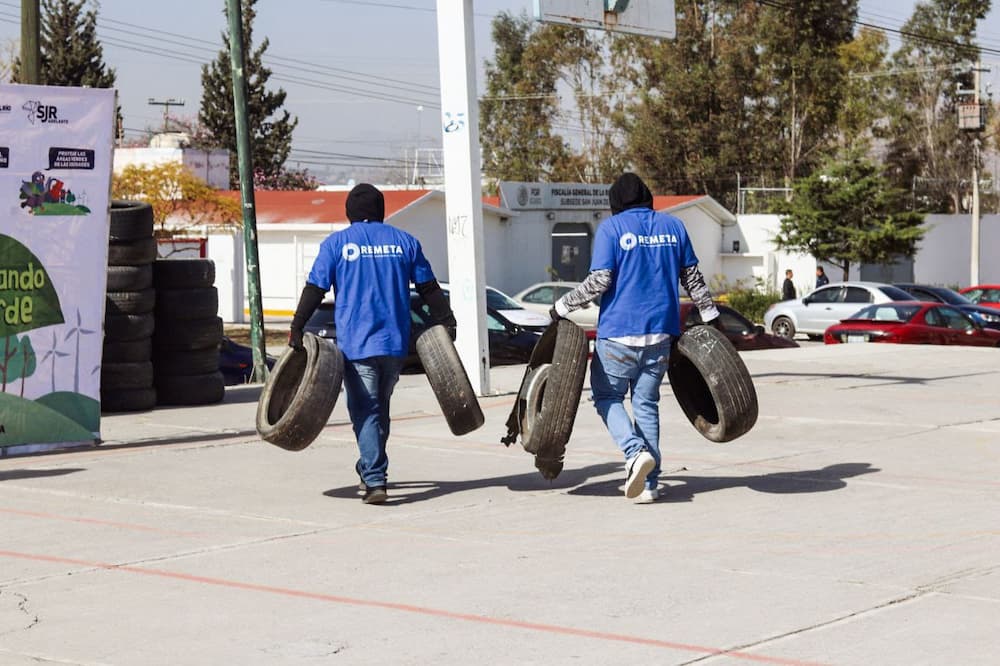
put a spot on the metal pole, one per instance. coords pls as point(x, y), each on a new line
point(31, 56)
point(243, 150)
point(974, 262)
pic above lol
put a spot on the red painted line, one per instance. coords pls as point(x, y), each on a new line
point(407, 608)
point(95, 521)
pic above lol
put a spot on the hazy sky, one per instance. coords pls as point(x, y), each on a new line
point(355, 70)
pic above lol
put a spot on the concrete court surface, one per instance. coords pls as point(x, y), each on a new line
point(858, 523)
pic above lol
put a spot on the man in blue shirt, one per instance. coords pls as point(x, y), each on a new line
point(640, 258)
point(369, 266)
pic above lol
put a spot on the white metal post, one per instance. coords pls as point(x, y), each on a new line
point(463, 186)
point(974, 250)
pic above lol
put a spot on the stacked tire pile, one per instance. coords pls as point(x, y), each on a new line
point(187, 334)
point(126, 367)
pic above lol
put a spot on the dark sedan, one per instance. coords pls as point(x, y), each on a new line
point(988, 317)
point(918, 323)
point(508, 342)
point(744, 335)
point(236, 362)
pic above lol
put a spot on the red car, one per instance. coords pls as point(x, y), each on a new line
point(744, 335)
point(911, 322)
point(984, 294)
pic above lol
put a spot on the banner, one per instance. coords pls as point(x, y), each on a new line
point(55, 178)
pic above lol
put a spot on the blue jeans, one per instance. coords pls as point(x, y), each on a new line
point(617, 369)
point(369, 383)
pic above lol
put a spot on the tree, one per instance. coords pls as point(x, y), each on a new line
point(71, 54)
point(270, 127)
point(17, 361)
point(847, 212)
point(863, 104)
point(177, 196)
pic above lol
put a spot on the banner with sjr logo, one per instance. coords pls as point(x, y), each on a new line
point(55, 177)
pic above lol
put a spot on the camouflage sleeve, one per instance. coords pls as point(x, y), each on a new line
point(595, 284)
point(694, 283)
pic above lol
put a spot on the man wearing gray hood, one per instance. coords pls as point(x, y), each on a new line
point(640, 258)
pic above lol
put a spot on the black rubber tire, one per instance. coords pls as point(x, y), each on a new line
point(197, 303)
point(203, 389)
point(188, 362)
point(712, 384)
point(130, 220)
point(534, 393)
point(183, 273)
point(130, 302)
point(300, 394)
point(119, 376)
point(127, 351)
point(186, 334)
point(133, 400)
point(129, 278)
point(120, 328)
point(132, 253)
point(783, 328)
point(449, 381)
point(560, 400)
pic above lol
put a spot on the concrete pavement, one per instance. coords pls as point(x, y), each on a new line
point(856, 524)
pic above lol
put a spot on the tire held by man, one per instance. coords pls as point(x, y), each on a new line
point(449, 380)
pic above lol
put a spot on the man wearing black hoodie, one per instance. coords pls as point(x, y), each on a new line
point(640, 257)
point(369, 266)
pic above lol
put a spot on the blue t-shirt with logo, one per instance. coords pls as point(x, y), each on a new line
point(645, 252)
point(370, 266)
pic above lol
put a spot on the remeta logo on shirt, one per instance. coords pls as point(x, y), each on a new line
point(353, 251)
point(630, 240)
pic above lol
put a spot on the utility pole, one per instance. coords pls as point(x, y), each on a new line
point(166, 104)
point(31, 55)
point(971, 119)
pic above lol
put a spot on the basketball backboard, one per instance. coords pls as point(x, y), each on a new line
point(653, 18)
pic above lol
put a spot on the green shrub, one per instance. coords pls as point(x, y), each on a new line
point(752, 303)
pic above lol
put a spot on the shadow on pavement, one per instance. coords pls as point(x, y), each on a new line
point(828, 478)
point(14, 474)
point(407, 492)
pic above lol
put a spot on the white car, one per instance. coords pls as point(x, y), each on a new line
point(826, 306)
point(511, 310)
point(540, 298)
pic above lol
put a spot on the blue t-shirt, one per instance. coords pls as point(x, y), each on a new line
point(645, 252)
point(370, 266)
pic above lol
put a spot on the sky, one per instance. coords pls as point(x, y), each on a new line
point(361, 75)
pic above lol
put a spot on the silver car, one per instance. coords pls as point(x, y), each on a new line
point(826, 306)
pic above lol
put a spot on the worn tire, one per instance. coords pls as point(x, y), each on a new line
point(130, 220)
point(205, 389)
point(130, 302)
point(127, 351)
point(300, 394)
point(132, 253)
point(197, 303)
point(120, 328)
point(449, 381)
point(534, 393)
point(557, 401)
point(187, 362)
point(183, 273)
point(712, 384)
point(187, 334)
point(119, 376)
point(129, 278)
point(129, 400)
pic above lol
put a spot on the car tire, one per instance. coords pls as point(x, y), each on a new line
point(195, 303)
point(132, 253)
point(183, 273)
point(783, 328)
point(449, 380)
point(130, 302)
point(534, 393)
point(121, 328)
point(130, 220)
point(120, 376)
point(187, 362)
point(205, 389)
point(187, 334)
point(712, 384)
point(129, 278)
point(300, 394)
point(127, 351)
point(130, 400)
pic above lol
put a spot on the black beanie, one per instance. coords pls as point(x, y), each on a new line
point(365, 202)
point(629, 192)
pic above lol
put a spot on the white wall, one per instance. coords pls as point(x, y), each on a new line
point(945, 253)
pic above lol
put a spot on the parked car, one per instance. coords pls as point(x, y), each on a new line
point(236, 362)
point(912, 322)
point(541, 296)
point(988, 317)
point(826, 306)
point(508, 309)
point(985, 294)
point(744, 335)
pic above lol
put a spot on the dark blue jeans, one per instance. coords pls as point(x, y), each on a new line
point(369, 383)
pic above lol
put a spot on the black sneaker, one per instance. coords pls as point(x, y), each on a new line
point(375, 495)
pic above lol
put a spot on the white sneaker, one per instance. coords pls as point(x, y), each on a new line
point(648, 496)
point(636, 470)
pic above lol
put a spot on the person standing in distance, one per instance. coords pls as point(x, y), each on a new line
point(640, 258)
point(821, 278)
point(788, 287)
point(369, 266)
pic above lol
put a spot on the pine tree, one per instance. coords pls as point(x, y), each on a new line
point(270, 126)
point(71, 54)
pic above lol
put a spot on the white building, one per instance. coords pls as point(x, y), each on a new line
point(212, 166)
